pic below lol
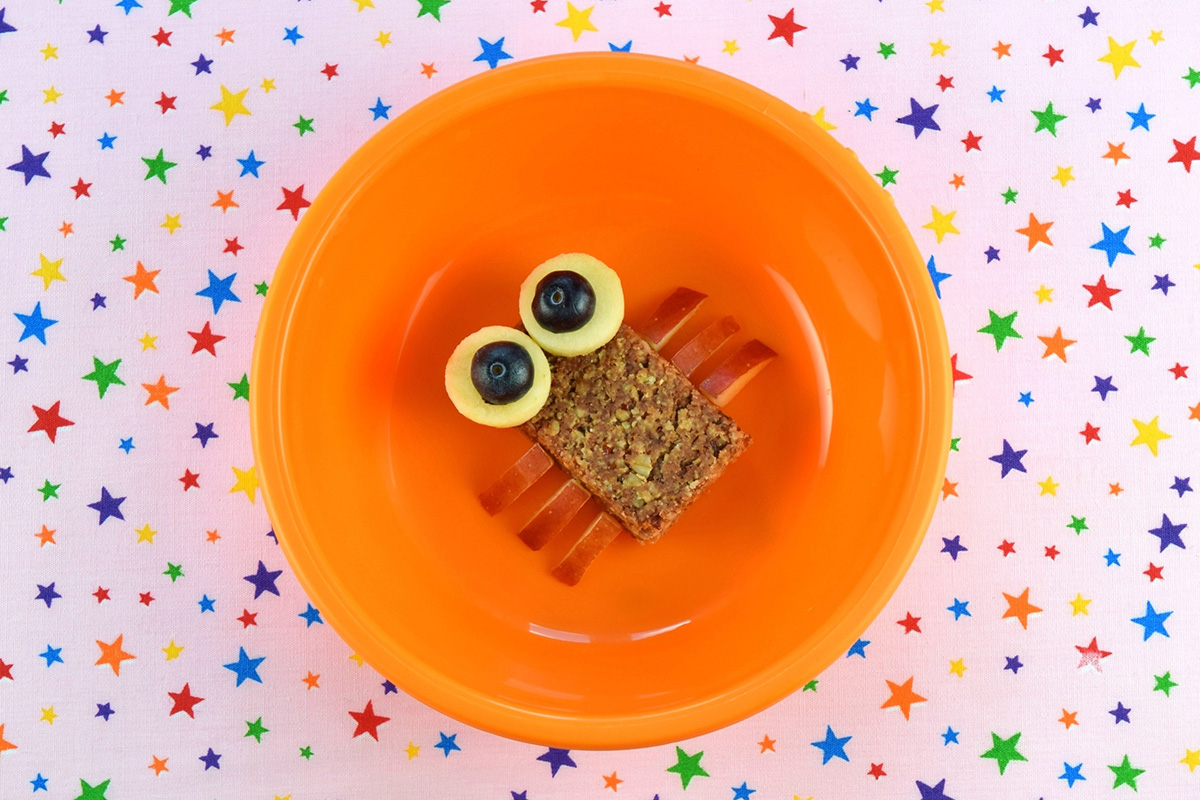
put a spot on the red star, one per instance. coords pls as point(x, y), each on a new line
point(1185, 153)
point(232, 246)
point(538, 5)
point(1154, 572)
point(1055, 56)
point(1179, 371)
point(1007, 548)
point(205, 339)
point(56, 128)
point(190, 479)
point(972, 142)
point(663, 10)
point(1126, 198)
point(1091, 655)
point(368, 721)
point(101, 594)
point(785, 27)
point(876, 771)
point(1051, 552)
point(5, 670)
point(145, 598)
point(165, 103)
point(1101, 294)
point(909, 623)
point(81, 189)
point(1090, 433)
point(945, 83)
point(329, 71)
point(49, 420)
point(959, 375)
point(293, 201)
point(184, 701)
point(247, 619)
point(162, 37)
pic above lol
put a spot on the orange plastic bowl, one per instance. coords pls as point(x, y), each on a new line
point(673, 175)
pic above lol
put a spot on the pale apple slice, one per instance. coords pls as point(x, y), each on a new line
point(555, 515)
point(598, 536)
point(736, 371)
point(674, 312)
point(515, 480)
point(704, 344)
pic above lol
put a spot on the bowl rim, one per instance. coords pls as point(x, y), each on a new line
point(738, 701)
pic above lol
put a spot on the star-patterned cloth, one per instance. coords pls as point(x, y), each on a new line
point(155, 156)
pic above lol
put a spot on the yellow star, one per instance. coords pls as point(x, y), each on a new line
point(1149, 434)
point(384, 38)
point(148, 342)
point(283, 797)
point(1119, 56)
point(48, 52)
point(48, 715)
point(173, 650)
point(1156, 37)
point(941, 224)
point(819, 118)
point(247, 481)
point(935, 6)
point(267, 85)
point(364, 4)
point(730, 47)
point(798, 797)
point(145, 534)
point(49, 271)
point(412, 750)
point(1080, 605)
point(939, 48)
point(1049, 487)
point(1063, 176)
point(958, 667)
point(577, 21)
point(232, 103)
point(51, 95)
point(1191, 758)
point(356, 658)
point(172, 223)
point(1043, 294)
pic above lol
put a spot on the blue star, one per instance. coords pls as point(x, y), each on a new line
point(389, 688)
point(952, 547)
point(1093, 103)
point(1162, 282)
point(379, 109)
point(1112, 559)
point(96, 35)
point(107, 505)
point(52, 655)
point(47, 594)
point(1104, 386)
point(832, 746)
point(865, 109)
point(859, 648)
point(1152, 622)
point(5, 27)
point(936, 277)
point(1120, 713)
point(207, 604)
point(1168, 534)
point(204, 433)
point(106, 141)
point(39, 783)
point(934, 792)
point(996, 95)
point(557, 757)
point(104, 710)
point(1140, 118)
point(264, 580)
point(219, 290)
point(1013, 663)
point(949, 737)
point(1072, 774)
point(205, 152)
point(35, 324)
point(245, 668)
point(126, 445)
point(6, 474)
point(1089, 18)
point(250, 165)
point(447, 743)
point(97, 301)
point(310, 616)
point(30, 165)
point(1113, 243)
point(625, 48)
point(742, 792)
point(493, 52)
point(1182, 485)
point(129, 5)
point(292, 35)
point(920, 119)
point(202, 64)
point(1009, 459)
point(850, 61)
point(18, 364)
point(1025, 399)
point(211, 760)
point(992, 254)
point(959, 608)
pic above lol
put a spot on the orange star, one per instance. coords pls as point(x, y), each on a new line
point(66, 229)
point(212, 536)
point(695, 60)
point(427, 70)
point(949, 488)
point(1195, 411)
point(159, 391)
point(957, 181)
point(1036, 231)
point(5, 745)
point(225, 36)
point(159, 766)
point(1020, 607)
point(1115, 488)
point(1116, 152)
point(311, 680)
point(1056, 345)
point(224, 201)
point(903, 696)
point(766, 744)
point(1001, 50)
point(46, 536)
point(142, 280)
point(1068, 718)
point(113, 655)
point(115, 98)
point(611, 781)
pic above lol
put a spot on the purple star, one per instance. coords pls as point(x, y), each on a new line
point(1088, 16)
point(4, 26)
point(1162, 283)
point(264, 580)
point(919, 118)
point(952, 547)
point(1009, 459)
point(98, 301)
point(519, 795)
point(47, 594)
point(104, 710)
point(1168, 534)
point(934, 792)
point(30, 165)
point(1182, 485)
point(992, 254)
point(556, 757)
point(96, 35)
point(1104, 386)
point(1121, 713)
point(211, 760)
point(389, 688)
point(6, 474)
point(850, 61)
point(1013, 663)
point(204, 433)
point(1094, 104)
point(18, 364)
point(108, 506)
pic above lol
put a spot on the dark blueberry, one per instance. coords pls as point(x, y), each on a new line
point(502, 372)
point(564, 301)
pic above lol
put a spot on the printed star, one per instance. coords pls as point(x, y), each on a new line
point(1063, 176)
point(113, 654)
point(493, 52)
point(49, 420)
point(1119, 56)
point(1090, 656)
point(1190, 757)
point(293, 201)
point(1020, 607)
point(184, 701)
point(1112, 243)
point(1000, 328)
point(310, 680)
point(921, 119)
point(205, 339)
point(49, 271)
point(219, 290)
point(1125, 773)
point(49, 490)
point(1192, 77)
point(1043, 294)
point(145, 533)
point(577, 21)
point(48, 52)
point(1049, 487)
point(159, 392)
point(910, 623)
point(959, 609)
point(142, 280)
point(241, 388)
point(938, 48)
point(159, 765)
point(1116, 152)
point(1164, 684)
point(949, 488)
point(941, 224)
point(263, 580)
point(903, 696)
point(256, 729)
point(1072, 774)
point(427, 70)
point(1048, 120)
point(1004, 751)
point(1101, 293)
point(686, 766)
point(245, 668)
point(1152, 622)
point(33, 166)
point(958, 667)
point(107, 506)
point(786, 27)
point(1052, 55)
point(1056, 345)
point(250, 165)
point(1037, 232)
point(172, 223)
point(247, 481)
point(1079, 605)
point(832, 746)
point(51, 95)
point(1090, 433)
point(304, 125)
point(384, 39)
point(45, 536)
point(157, 166)
point(311, 616)
point(447, 743)
point(412, 751)
point(190, 480)
point(231, 104)
point(1185, 153)
point(1154, 572)
point(1001, 50)
point(172, 650)
point(1169, 534)
point(226, 36)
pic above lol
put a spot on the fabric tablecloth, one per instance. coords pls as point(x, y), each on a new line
point(153, 642)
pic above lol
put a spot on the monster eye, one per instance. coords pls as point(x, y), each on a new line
point(498, 376)
point(572, 304)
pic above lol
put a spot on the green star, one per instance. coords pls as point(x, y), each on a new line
point(49, 490)
point(1164, 684)
point(1078, 524)
point(157, 167)
point(256, 729)
point(1126, 774)
point(3, 220)
point(1000, 328)
point(1140, 342)
point(811, 686)
point(954, 443)
point(687, 767)
point(304, 125)
point(241, 388)
point(181, 5)
point(1004, 751)
point(1157, 241)
point(886, 50)
point(117, 243)
point(1009, 195)
point(306, 752)
point(1048, 120)
point(105, 375)
point(89, 792)
point(174, 571)
point(887, 175)
point(261, 288)
point(1193, 77)
point(432, 7)
point(4, 96)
